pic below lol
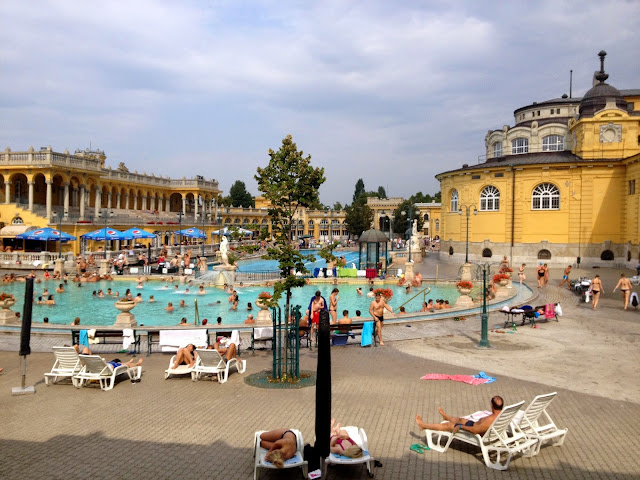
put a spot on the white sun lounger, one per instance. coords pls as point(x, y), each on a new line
point(210, 362)
point(180, 370)
point(67, 364)
point(359, 436)
point(297, 460)
point(495, 443)
point(535, 422)
point(95, 367)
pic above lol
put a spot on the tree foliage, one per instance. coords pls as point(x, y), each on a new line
point(359, 190)
point(402, 223)
point(289, 182)
point(239, 196)
point(359, 216)
point(382, 193)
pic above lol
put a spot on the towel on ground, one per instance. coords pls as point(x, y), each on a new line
point(367, 333)
point(83, 338)
point(127, 338)
point(479, 379)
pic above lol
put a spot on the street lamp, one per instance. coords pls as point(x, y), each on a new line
point(205, 237)
point(59, 215)
point(105, 213)
point(409, 230)
point(180, 230)
point(468, 211)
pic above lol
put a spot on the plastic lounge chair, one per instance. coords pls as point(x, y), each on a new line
point(496, 442)
point(181, 370)
point(536, 423)
point(67, 364)
point(94, 367)
point(297, 460)
point(210, 362)
point(359, 436)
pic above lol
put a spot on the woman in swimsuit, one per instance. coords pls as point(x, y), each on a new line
point(282, 445)
point(333, 306)
point(342, 444)
point(541, 273)
point(625, 288)
point(521, 273)
point(596, 289)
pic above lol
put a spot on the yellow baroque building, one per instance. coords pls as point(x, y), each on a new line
point(559, 186)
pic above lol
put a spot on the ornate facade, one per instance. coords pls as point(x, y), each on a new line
point(559, 186)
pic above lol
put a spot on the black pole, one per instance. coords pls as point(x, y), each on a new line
point(25, 334)
point(484, 339)
point(466, 258)
point(323, 388)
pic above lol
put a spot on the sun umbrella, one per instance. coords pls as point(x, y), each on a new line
point(191, 233)
point(46, 234)
point(139, 233)
point(222, 231)
point(108, 233)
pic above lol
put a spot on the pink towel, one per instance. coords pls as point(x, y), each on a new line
point(549, 310)
point(470, 379)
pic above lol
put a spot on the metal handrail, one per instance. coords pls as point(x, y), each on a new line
point(425, 292)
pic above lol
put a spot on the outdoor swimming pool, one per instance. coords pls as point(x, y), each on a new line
point(260, 265)
point(79, 301)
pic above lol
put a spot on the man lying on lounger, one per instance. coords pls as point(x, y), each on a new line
point(452, 424)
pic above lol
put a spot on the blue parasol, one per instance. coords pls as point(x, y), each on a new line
point(191, 233)
point(46, 234)
point(108, 233)
point(139, 233)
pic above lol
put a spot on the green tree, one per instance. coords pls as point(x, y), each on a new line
point(289, 182)
point(382, 193)
point(359, 190)
point(436, 198)
point(359, 216)
point(337, 207)
point(239, 195)
point(401, 222)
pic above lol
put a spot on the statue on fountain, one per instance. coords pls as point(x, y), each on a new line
point(224, 250)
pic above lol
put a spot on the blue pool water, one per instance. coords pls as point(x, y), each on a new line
point(260, 265)
point(79, 302)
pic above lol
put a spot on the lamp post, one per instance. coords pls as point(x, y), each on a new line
point(331, 225)
point(205, 235)
point(105, 214)
point(484, 335)
point(410, 229)
point(180, 231)
point(59, 215)
point(468, 212)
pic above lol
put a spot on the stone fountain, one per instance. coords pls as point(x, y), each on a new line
point(125, 319)
point(8, 316)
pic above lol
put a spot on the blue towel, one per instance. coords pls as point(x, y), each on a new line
point(487, 377)
point(367, 333)
point(83, 338)
point(316, 272)
point(365, 453)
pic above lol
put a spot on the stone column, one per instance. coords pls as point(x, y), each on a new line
point(98, 202)
point(81, 201)
point(126, 201)
point(195, 209)
point(7, 192)
point(144, 202)
point(118, 200)
point(167, 204)
point(152, 203)
point(66, 200)
point(184, 205)
point(49, 190)
point(31, 184)
point(109, 199)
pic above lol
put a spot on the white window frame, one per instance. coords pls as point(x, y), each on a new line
point(453, 203)
point(546, 196)
point(553, 143)
point(519, 145)
point(497, 149)
point(490, 199)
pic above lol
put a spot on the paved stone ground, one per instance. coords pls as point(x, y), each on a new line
point(165, 429)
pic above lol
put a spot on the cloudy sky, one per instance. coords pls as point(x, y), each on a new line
point(389, 91)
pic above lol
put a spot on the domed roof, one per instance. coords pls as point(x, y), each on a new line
point(601, 93)
point(373, 236)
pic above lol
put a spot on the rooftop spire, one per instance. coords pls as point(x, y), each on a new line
point(601, 76)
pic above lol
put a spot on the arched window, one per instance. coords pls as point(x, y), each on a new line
point(546, 196)
point(426, 217)
point(489, 199)
point(437, 225)
point(497, 149)
point(606, 255)
point(544, 255)
point(487, 253)
point(454, 200)
point(519, 145)
point(552, 143)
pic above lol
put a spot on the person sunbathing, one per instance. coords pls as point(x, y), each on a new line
point(342, 444)
point(281, 445)
point(229, 350)
point(115, 363)
point(453, 424)
point(185, 356)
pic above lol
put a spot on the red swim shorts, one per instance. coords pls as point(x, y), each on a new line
point(315, 318)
